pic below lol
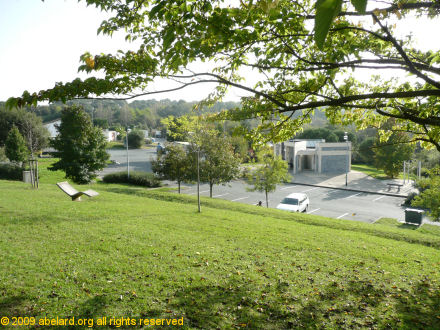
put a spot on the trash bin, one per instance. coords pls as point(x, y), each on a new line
point(413, 216)
point(27, 176)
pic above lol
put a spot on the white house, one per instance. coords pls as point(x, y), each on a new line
point(110, 135)
point(315, 155)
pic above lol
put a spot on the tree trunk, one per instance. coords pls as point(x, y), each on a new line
point(178, 183)
point(267, 200)
point(210, 189)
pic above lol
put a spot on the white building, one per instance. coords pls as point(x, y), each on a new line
point(315, 155)
point(110, 135)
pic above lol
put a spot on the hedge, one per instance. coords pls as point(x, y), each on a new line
point(11, 172)
point(143, 179)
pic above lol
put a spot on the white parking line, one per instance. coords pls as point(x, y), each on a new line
point(353, 195)
point(200, 192)
point(341, 216)
point(287, 187)
point(313, 211)
point(238, 199)
point(310, 189)
point(220, 195)
point(377, 219)
point(379, 198)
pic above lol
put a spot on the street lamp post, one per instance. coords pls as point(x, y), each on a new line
point(128, 160)
point(198, 179)
point(196, 143)
point(346, 162)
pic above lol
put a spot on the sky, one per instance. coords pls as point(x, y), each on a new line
point(41, 43)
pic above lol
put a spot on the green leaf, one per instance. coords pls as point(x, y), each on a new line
point(168, 38)
point(326, 11)
point(12, 102)
point(360, 5)
point(156, 9)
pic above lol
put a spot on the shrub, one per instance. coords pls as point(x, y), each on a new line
point(135, 139)
point(15, 146)
point(11, 172)
point(3, 157)
point(409, 199)
point(143, 179)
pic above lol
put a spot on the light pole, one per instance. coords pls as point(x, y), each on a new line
point(198, 179)
point(128, 160)
point(196, 143)
point(348, 155)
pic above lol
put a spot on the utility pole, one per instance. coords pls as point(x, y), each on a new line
point(198, 179)
point(128, 160)
point(347, 160)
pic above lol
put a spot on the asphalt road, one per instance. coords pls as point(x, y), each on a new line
point(333, 203)
point(139, 160)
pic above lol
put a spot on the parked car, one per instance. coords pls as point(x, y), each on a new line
point(296, 202)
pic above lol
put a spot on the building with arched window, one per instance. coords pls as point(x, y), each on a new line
point(315, 155)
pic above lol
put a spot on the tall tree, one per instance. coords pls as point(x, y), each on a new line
point(220, 165)
point(390, 155)
point(173, 165)
point(81, 146)
point(29, 125)
point(15, 146)
point(266, 177)
point(277, 40)
point(366, 150)
point(178, 127)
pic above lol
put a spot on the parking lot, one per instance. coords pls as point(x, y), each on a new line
point(329, 202)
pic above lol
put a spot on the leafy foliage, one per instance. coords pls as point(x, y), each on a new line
point(174, 164)
point(142, 179)
point(29, 125)
point(429, 197)
point(136, 139)
point(272, 172)
point(276, 39)
point(178, 127)
point(390, 155)
point(11, 172)
point(220, 164)
point(366, 150)
point(81, 146)
point(15, 146)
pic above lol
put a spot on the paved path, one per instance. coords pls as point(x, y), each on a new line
point(356, 181)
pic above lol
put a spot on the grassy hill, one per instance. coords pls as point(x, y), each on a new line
point(148, 254)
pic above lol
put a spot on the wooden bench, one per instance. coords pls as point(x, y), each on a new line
point(398, 185)
point(73, 193)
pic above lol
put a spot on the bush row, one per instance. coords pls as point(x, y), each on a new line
point(11, 172)
point(143, 179)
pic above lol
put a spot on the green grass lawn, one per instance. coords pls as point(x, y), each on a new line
point(115, 145)
point(370, 170)
point(376, 173)
point(132, 252)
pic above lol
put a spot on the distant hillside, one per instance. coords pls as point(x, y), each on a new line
point(142, 113)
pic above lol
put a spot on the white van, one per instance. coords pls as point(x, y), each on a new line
point(296, 202)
